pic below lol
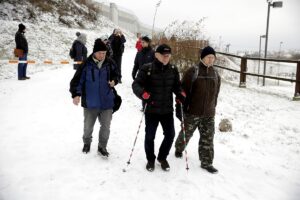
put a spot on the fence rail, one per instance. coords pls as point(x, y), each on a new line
point(243, 71)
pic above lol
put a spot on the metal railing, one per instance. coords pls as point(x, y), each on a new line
point(243, 71)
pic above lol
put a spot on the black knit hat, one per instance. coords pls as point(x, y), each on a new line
point(163, 49)
point(99, 46)
point(146, 39)
point(206, 51)
point(22, 27)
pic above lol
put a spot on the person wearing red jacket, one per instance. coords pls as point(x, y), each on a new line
point(138, 44)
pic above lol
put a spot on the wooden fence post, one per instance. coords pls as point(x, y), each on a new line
point(242, 72)
point(297, 85)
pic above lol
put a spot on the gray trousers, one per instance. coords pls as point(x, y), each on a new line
point(104, 117)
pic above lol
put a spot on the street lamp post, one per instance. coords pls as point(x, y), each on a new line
point(157, 5)
point(279, 55)
point(279, 52)
point(259, 54)
point(227, 48)
point(276, 4)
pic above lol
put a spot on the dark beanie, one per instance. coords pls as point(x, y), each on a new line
point(99, 46)
point(206, 51)
point(146, 39)
point(22, 27)
point(163, 49)
point(77, 34)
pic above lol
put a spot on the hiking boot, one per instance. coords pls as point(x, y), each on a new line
point(178, 154)
point(22, 79)
point(103, 151)
point(150, 165)
point(27, 77)
point(86, 148)
point(209, 168)
point(164, 165)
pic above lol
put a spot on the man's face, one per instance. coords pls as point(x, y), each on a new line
point(100, 55)
point(163, 58)
point(209, 60)
point(144, 44)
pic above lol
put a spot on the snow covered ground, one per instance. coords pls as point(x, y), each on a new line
point(41, 158)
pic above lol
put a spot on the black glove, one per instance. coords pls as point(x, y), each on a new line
point(178, 112)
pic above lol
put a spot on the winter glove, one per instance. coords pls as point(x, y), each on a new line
point(146, 96)
point(178, 111)
point(180, 98)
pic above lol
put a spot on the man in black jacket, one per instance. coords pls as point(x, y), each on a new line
point(146, 55)
point(79, 46)
point(155, 84)
point(21, 44)
point(117, 41)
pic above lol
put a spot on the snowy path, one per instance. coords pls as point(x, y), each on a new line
point(40, 156)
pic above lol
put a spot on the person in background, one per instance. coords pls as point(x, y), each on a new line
point(117, 40)
point(146, 55)
point(22, 48)
point(109, 52)
point(79, 48)
point(138, 44)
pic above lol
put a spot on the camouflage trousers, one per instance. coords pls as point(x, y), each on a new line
point(206, 127)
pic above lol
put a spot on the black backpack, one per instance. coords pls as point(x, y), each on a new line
point(72, 52)
point(118, 98)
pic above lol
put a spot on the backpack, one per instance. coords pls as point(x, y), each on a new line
point(118, 98)
point(72, 52)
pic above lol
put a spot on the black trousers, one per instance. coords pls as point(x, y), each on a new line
point(118, 61)
point(167, 123)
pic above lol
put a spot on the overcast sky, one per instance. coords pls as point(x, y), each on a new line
point(237, 22)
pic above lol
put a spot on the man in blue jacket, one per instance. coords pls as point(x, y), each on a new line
point(93, 83)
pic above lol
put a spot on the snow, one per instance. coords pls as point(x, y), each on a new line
point(41, 144)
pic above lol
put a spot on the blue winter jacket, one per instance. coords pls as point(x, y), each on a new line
point(91, 83)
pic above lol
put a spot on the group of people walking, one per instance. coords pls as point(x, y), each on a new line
point(155, 80)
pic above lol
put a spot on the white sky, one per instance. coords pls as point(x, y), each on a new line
point(238, 22)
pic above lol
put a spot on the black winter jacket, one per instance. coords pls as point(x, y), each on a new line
point(80, 52)
point(117, 44)
point(21, 42)
point(161, 82)
point(146, 55)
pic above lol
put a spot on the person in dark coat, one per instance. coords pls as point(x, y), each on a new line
point(93, 83)
point(146, 55)
point(155, 84)
point(21, 44)
point(117, 41)
point(201, 108)
point(109, 52)
point(80, 49)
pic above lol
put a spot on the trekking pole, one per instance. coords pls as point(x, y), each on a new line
point(128, 162)
point(184, 137)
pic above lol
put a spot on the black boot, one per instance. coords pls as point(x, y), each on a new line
point(103, 151)
point(86, 148)
point(150, 165)
point(209, 168)
point(178, 154)
point(164, 165)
